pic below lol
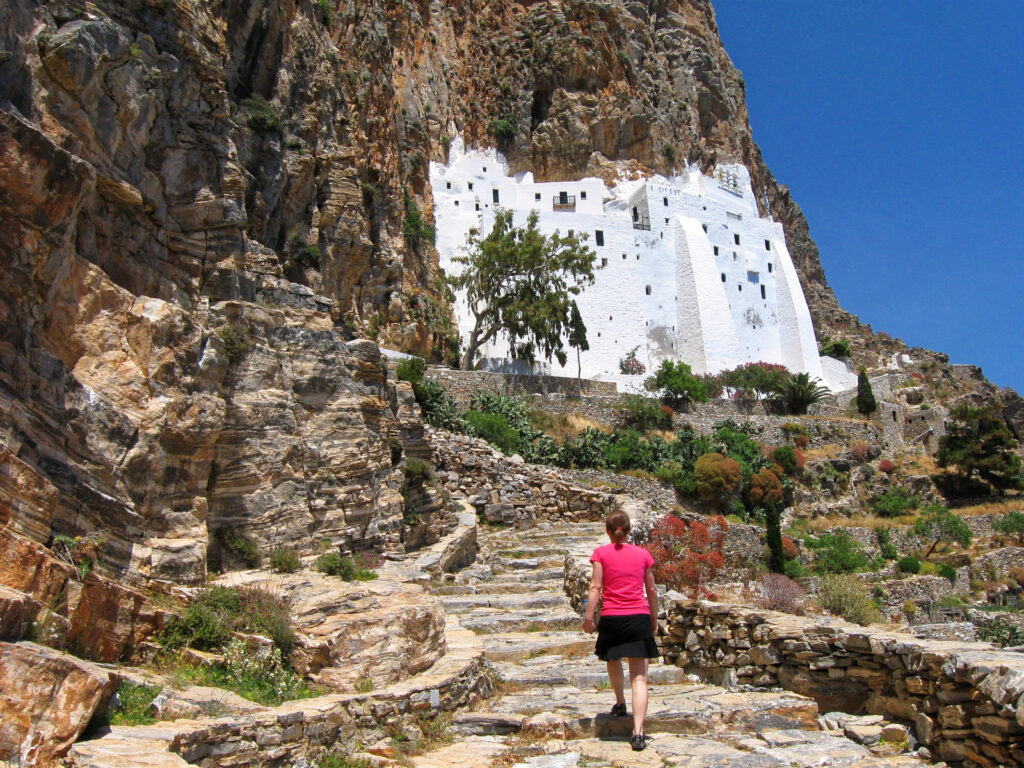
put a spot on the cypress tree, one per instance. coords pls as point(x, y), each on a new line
point(773, 529)
point(865, 397)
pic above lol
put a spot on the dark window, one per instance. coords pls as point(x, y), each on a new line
point(599, 236)
point(723, 277)
point(665, 200)
point(485, 169)
point(471, 185)
point(705, 227)
point(769, 266)
point(456, 203)
point(767, 245)
point(736, 237)
point(740, 286)
point(666, 221)
point(583, 195)
point(449, 185)
point(478, 205)
point(536, 196)
point(494, 195)
point(648, 290)
point(623, 257)
point(604, 262)
point(763, 296)
point(716, 250)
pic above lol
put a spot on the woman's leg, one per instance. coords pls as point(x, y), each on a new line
point(638, 681)
point(615, 676)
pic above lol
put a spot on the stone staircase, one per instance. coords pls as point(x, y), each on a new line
point(551, 709)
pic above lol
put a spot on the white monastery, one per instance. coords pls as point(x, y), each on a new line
point(688, 270)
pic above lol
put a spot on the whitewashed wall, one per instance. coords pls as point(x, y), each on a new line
point(665, 289)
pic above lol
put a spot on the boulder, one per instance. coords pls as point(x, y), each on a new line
point(47, 699)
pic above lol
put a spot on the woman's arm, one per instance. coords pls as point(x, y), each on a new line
point(652, 596)
point(596, 584)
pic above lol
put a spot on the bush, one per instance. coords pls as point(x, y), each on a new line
point(348, 568)
point(645, 413)
point(790, 551)
point(754, 380)
point(416, 230)
point(794, 569)
point(845, 596)
point(801, 441)
point(677, 385)
point(263, 118)
point(780, 593)
point(786, 457)
point(285, 560)
point(495, 429)
point(503, 128)
point(208, 622)
point(940, 526)
point(886, 466)
point(764, 489)
point(885, 545)
point(837, 348)
point(439, 408)
point(909, 565)
point(411, 369)
point(239, 547)
point(687, 556)
point(235, 342)
point(799, 392)
point(1002, 631)
point(837, 553)
point(866, 404)
point(134, 702)
point(859, 450)
point(717, 478)
point(948, 572)
point(895, 502)
point(630, 366)
point(1011, 524)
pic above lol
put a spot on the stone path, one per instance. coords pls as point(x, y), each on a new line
point(554, 695)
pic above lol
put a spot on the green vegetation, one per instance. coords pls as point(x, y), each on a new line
point(776, 557)
point(866, 404)
point(885, 545)
point(134, 702)
point(239, 548)
point(668, 152)
point(416, 230)
point(258, 676)
point(263, 118)
point(337, 759)
point(644, 413)
point(1011, 524)
point(519, 283)
point(940, 526)
point(235, 342)
point(895, 502)
point(348, 568)
point(909, 565)
point(208, 622)
point(981, 446)
point(411, 369)
point(799, 392)
point(80, 552)
point(837, 552)
point(1002, 631)
point(846, 596)
point(503, 128)
point(677, 385)
point(754, 380)
point(285, 560)
point(837, 348)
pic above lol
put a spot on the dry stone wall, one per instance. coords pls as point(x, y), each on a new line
point(963, 699)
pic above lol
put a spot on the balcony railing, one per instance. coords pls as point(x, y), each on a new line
point(642, 222)
point(564, 202)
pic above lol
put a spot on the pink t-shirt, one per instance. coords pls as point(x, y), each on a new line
point(623, 567)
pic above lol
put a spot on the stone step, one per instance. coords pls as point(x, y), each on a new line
point(535, 599)
point(509, 646)
point(524, 552)
point(491, 587)
point(681, 709)
point(487, 620)
point(552, 574)
point(554, 670)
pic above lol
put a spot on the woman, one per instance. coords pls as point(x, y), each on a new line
point(622, 573)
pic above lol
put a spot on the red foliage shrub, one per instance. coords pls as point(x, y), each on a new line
point(790, 551)
point(780, 593)
point(717, 478)
point(859, 450)
point(764, 487)
point(801, 462)
point(687, 556)
point(886, 466)
point(777, 470)
point(667, 413)
point(802, 441)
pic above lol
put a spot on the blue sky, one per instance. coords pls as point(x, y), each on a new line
point(899, 127)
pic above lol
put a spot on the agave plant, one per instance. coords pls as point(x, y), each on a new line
point(799, 392)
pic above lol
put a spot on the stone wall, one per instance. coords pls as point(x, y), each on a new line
point(462, 384)
point(964, 699)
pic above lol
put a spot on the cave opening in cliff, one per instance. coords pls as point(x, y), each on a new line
point(539, 110)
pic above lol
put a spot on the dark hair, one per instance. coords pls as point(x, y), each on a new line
point(617, 525)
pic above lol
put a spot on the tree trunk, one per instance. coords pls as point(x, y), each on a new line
point(579, 374)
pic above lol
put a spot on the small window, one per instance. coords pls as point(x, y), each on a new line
point(666, 221)
point(740, 287)
point(598, 334)
point(769, 266)
point(894, 415)
point(623, 257)
point(767, 245)
point(494, 195)
point(572, 233)
point(609, 317)
point(638, 257)
point(704, 227)
point(753, 277)
point(471, 185)
point(449, 185)
point(599, 236)
point(478, 205)
point(763, 295)
point(735, 256)
point(485, 169)
point(723, 277)
point(716, 250)
point(456, 203)
point(736, 238)
point(583, 195)
point(665, 201)
point(604, 262)
point(647, 290)
point(536, 195)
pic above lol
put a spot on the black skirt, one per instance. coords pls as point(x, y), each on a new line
point(626, 637)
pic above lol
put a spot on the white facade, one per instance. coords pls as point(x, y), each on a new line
point(687, 268)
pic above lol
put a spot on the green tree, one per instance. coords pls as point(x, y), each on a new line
point(519, 283)
point(677, 385)
point(759, 380)
point(865, 397)
point(980, 444)
point(799, 392)
point(578, 341)
point(940, 526)
point(837, 348)
point(837, 552)
point(1012, 524)
point(773, 530)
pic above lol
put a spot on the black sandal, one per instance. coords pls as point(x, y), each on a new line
point(638, 742)
point(619, 710)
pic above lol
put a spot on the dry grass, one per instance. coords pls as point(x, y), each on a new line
point(991, 508)
point(564, 426)
point(829, 451)
point(918, 464)
point(835, 520)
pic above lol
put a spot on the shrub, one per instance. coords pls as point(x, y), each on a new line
point(668, 151)
point(837, 348)
point(948, 572)
point(495, 429)
point(859, 450)
point(910, 609)
point(799, 392)
point(134, 702)
point(644, 413)
point(756, 380)
point(416, 230)
point(630, 366)
point(909, 565)
point(439, 408)
point(717, 477)
point(838, 552)
point(886, 466)
point(259, 677)
point(677, 385)
point(235, 342)
point(801, 441)
point(239, 547)
point(982, 447)
point(764, 489)
point(780, 593)
point(503, 128)
point(866, 404)
point(794, 569)
point(885, 545)
point(285, 560)
point(1011, 524)
point(790, 459)
point(334, 564)
point(1002, 631)
point(687, 556)
point(845, 596)
point(207, 623)
point(263, 118)
point(940, 526)
point(411, 369)
point(790, 551)
point(895, 502)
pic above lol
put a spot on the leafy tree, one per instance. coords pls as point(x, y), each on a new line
point(940, 526)
point(773, 531)
point(519, 283)
point(765, 490)
point(980, 444)
point(894, 502)
point(865, 396)
point(1012, 524)
point(759, 380)
point(718, 477)
point(837, 348)
point(677, 384)
point(577, 340)
point(837, 552)
point(799, 392)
